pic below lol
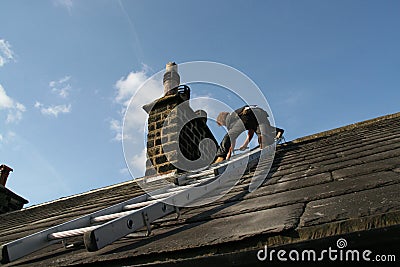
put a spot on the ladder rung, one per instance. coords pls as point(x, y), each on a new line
point(153, 199)
point(141, 204)
point(176, 190)
point(161, 196)
point(172, 191)
point(201, 174)
point(70, 233)
point(191, 180)
point(108, 217)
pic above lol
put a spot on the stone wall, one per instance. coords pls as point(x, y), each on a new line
point(178, 137)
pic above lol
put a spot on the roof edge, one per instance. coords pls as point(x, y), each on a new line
point(345, 128)
point(80, 194)
point(13, 194)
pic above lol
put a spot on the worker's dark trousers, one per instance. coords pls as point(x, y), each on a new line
point(224, 147)
point(263, 140)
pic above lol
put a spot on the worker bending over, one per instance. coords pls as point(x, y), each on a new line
point(250, 118)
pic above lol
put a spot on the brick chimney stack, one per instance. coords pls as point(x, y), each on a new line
point(4, 172)
point(175, 131)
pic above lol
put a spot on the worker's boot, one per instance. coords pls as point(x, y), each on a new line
point(219, 159)
point(264, 141)
point(261, 141)
point(279, 133)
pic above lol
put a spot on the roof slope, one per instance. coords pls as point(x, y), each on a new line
point(343, 182)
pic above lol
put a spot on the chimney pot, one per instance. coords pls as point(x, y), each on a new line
point(171, 78)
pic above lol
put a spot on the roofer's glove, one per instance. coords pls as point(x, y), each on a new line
point(243, 147)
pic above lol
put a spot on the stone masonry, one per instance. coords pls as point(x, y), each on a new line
point(178, 137)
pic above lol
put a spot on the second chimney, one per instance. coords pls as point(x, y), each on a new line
point(4, 172)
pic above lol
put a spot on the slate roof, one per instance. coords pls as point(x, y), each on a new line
point(340, 183)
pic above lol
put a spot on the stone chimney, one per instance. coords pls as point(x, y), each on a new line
point(9, 201)
point(178, 137)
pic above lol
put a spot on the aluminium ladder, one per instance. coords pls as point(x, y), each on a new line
point(129, 216)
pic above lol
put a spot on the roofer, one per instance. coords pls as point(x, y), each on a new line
point(250, 118)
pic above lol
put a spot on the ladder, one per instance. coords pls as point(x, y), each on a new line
point(105, 226)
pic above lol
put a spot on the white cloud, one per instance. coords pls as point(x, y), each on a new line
point(65, 79)
point(208, 103)
point(116, 126)
point(20, 107)
point(139, 163)
point(6, 54)
point(68, 4)
point(14, 108)
point(127, 87)
point(63, 92)
point(38, 104)
point(6, 138)
point(61, 87)
point(15, 115)
point(5, 101)
point(53, 110)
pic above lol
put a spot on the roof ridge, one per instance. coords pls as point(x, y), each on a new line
point(345, 128)
point(82, 194)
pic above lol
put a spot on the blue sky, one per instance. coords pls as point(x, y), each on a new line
point(68, 68)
